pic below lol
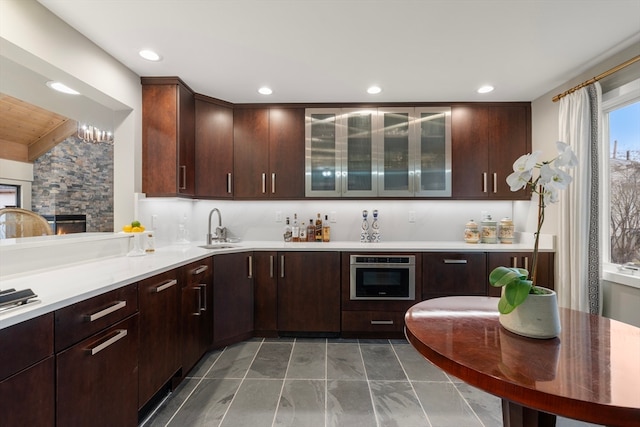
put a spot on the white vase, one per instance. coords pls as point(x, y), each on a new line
point(536, 317)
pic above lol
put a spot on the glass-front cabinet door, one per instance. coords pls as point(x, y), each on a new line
point(323, 153)
point(396, 149)
point(359, 161)
point(383, 152)
point(433, 160)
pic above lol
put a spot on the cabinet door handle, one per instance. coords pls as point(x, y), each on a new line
point(199, 309)
point(382, 322)
point(264, 183)
point(120, 333)
point(199, 270)
point(167, 285)
point(281, 265)
point(526, 263)
point(115, 307)
point(271, 266)
point(495, 182)
point(183, 186)
point(229, 183)
point(273, 183)
point(484, 182)
point(514, 262)
point(454, 261)
point(250, 261)
point(203, 300)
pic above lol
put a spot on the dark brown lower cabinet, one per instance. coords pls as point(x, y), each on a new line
point(159, 349)
point(232, 298)
point(96, 379)
point(27, 377)
point(197, 311)
point(454, 273)
point(309, 292)
point(546, 265)
point(265, 283)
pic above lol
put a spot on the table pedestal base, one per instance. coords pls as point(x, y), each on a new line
point(514, 415)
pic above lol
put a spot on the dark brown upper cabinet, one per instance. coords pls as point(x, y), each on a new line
point(268, 152)
point(168, 140)
point(486, 141)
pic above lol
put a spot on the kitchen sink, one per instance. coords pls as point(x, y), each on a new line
point(218, 246)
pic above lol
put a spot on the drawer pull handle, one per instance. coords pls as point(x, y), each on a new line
point(200, 269)
point(115, 307)
point(484, 182)
point(264, 183)
point(454, 261)
point(229, 183)
point(382, 322)
point(121, 333)
point(281, 265)
point(495, 182)
point(167, 285)
point(250, 267)
point(273, 183)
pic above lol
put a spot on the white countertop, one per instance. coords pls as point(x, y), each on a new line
point(71, 283)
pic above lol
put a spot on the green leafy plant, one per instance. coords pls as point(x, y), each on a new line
point(552, 177)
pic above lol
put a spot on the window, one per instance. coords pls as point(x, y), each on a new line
point(9, 196)
point(621, 175)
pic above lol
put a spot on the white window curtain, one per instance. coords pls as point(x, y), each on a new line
point(578, 238)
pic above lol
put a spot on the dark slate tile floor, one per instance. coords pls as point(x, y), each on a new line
point(325, 383)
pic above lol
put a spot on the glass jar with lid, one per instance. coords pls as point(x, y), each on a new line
point(506, 231)
point(489, 230)
point(471, 232)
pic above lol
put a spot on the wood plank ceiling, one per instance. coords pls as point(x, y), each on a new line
point(28, 131)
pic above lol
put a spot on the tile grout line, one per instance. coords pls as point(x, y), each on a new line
point(194, 388)
point(366, 376)
point(241, 382)
point(415, 394)
point(275, 413)
point(468, 404)
point(326, 382)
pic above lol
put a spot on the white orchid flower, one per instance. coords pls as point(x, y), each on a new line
point(551, 194)
point(554, 178)
point(566, 155)
point(518, 180)
point(526, 162)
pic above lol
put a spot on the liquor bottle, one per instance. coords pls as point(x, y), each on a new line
point(287, 231)
point(326, 229)
point(364, 228)
point(303, 233)
point(318, 231)
point(311, 231)
point(375, 228)
point(295, 229)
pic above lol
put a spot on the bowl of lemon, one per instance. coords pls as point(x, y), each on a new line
point(136, 229)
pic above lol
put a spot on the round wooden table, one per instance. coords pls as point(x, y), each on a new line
point(590, 373)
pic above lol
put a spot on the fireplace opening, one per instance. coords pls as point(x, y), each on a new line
point(67, 224)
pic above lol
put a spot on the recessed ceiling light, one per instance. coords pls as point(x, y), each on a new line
point(61, 87)
point(373, 90)
point(265, 90)
point(485, 89)
point(149, 55)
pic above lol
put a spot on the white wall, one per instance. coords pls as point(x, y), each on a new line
point(18, 173)
point(37, 40)
point(436, 220)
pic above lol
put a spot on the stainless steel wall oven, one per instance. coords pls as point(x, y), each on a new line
point(382, 277)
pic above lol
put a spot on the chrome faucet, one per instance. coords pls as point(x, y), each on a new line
point(221, 232)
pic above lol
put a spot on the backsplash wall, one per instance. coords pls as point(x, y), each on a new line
point(435, 220)
point(76, 177)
